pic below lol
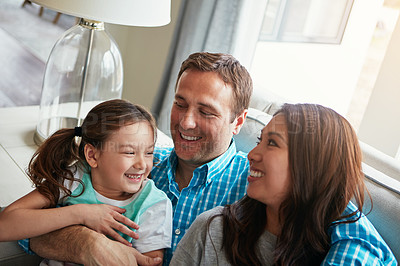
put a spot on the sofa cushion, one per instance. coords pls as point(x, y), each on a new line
point(266, 101)
point(381, 161)
point(11, 254)
point(385, 214)
point(246, 140)
point(163, 140)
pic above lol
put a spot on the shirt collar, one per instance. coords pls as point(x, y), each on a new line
point(218, 165)
point(209, 170)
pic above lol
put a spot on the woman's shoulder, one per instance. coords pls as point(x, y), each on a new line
point(212, 216)
point(207, 224)
point(216, 211)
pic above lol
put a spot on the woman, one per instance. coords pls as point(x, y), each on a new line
point(303, 173)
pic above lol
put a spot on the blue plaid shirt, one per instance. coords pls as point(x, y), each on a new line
point(219, 182)
point(357, 243)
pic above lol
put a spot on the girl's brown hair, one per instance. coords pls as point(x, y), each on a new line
point(325, 166)
point(55, 160)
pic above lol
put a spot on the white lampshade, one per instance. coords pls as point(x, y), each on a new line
point(146, 13)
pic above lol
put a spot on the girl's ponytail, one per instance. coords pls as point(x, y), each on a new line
point(51, 164)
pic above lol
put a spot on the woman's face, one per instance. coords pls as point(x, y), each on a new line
point(269, 178)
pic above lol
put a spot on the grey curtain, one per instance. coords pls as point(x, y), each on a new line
point(203, 25)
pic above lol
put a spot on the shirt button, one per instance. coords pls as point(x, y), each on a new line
point(177, 231)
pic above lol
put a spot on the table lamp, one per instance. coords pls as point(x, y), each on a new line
point(84, 67)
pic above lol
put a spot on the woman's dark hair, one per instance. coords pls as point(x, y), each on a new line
point(60, 154)
point(325, 167)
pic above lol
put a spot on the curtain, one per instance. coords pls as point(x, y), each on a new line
point(203, 25)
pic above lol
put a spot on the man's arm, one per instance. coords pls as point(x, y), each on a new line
point(82, 245)
point(356, 252)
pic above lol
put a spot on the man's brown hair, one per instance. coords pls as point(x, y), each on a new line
point(230, 71)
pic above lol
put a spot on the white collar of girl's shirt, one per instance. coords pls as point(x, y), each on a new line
point(119, 203)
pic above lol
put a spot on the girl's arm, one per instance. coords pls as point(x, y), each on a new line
point(26, 218)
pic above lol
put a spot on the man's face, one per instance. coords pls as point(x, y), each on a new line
point(201, 125)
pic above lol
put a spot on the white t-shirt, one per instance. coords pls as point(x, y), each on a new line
point(155, 226)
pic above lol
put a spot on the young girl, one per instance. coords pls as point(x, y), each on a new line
point(303, 173)
point(102, 183)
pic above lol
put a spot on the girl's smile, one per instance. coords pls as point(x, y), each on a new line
point(118, 170)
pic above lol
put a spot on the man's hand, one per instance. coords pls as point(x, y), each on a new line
point(109, 252)
point(82, 245)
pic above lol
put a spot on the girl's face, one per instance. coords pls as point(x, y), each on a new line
point(269, 178)
point(124, 162)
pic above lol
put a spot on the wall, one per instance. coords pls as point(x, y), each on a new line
point(144, 53)
point(380, 126)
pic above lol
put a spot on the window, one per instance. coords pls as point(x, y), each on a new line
point(334, 53)
point(318, 21)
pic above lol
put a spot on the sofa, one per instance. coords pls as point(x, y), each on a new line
point(382, 176)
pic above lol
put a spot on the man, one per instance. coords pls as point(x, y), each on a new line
point(204, 169)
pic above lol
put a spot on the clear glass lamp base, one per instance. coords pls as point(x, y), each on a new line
point(46, 126)
point(84, 68)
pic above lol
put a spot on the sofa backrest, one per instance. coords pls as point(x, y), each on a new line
point(246, 140)
point(385, 214)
